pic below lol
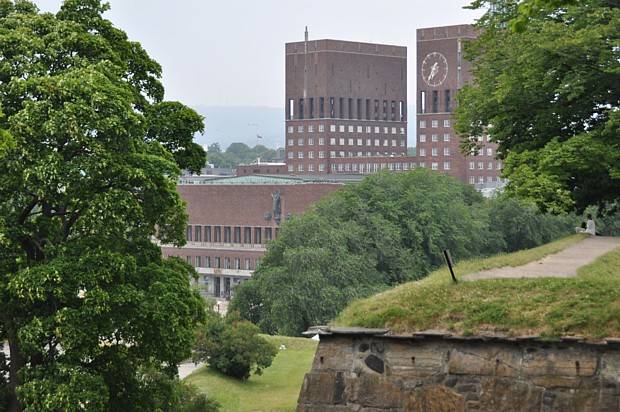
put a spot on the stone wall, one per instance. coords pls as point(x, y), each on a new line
point(371, 370)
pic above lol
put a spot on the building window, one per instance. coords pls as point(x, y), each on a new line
point(435, 102)
point(300, 155)
point(198, 261)
point(351, 142)
point(341, 141)
point(268, 233)
point(332, 127)
point(360, 129)
point(446, 151)
point(435, 166)
point(300, 141)
point(218, 264)
point(247, 235)
point(434, 151)
point(218, 234)
point(471, 180)
point(447, 100)
point(311, 141)
point(257, 236)
point(446, 123)
point(207, 233)
point(208, 261)
point(290, 155)
point(422, 124)
point(198, 233)
point(472, 165)
point(422, 151)
point(446, 137)
point(321, 167)
point(321, 155)
point(226, 263)
point(446, 166)
point(321, 128)
point(321, 141)
point(310, 128)
point(188, 233)
point(434, 137)
point(311, 167)
point(490, 166)
point(300, 129)
point(351, 129)
point(290, 129)
point(434, 123)
point(422, 138)
point(290, 168)
point(480, 165)
point(310, 155)
point(237, 235)
point(341, 128)
point(300, 168)
point(227, 234)
point(290, 142)
point(489, 151)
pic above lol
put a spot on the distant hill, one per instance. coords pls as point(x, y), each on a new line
point(230, 124)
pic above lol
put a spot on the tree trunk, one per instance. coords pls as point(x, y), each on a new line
point(16, 363)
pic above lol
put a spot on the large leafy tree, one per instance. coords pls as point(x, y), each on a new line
point(549, 97)
point(388, 229)
point(86, 301)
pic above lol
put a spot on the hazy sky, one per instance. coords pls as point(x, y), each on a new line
point(231, 52)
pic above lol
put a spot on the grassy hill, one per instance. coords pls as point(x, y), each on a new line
point(277, 389)
point(586, 306)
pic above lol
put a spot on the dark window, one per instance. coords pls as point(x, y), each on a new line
point(188, 234)
point(321, 107)
point(311, 108)
point(448, 100)
point(247, 235)
point(217, 262)
point(198, 233)
point(435, 101)
point(341, 107)
point(401, 110)
point(350, 108)
point(237, 234)
point(198, 261)
point(332, 110)
point(257, 236)
point(226, 234)
point(301, 109)
point(376, 110)
point(385, 110)
point(208, 261)
point(267, 233)
point(226, 263)
point(368, 109)
point(359, 109)
point(218, 234)
point(393, 108)
point(207, 233)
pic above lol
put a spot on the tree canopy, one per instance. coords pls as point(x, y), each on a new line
point(86, 300)
point(549, 97)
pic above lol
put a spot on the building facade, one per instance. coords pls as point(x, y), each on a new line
point(231, 219)
point(441, 72)
point(346, 107)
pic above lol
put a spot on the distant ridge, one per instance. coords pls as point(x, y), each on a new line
point(231, 124)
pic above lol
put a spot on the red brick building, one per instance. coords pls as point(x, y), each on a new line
point(441, 72)
point(346, 107)
point(232, 218)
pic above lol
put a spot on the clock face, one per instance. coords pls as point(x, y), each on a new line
point(434, 69)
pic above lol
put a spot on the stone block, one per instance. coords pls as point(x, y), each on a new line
point(378, 391)
point(610, 367)
point(510, 395)
point(564, 363)
point(415, 360)
point(335, 354)
point(436, 398)
point(323, 388)
point(485, 360)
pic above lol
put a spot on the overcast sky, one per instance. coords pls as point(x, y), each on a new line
point(231, 52)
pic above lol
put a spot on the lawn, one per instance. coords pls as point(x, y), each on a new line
point(586, 306)
point(277, 389)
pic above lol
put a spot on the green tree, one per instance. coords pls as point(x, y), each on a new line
point(388, 229)
point(549, 98)
point(232, 346)
point(86, 299)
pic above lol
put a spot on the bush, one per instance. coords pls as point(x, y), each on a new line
point(232, 346)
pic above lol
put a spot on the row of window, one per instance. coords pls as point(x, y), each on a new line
point(447, 101)
point(489, 165)
point(343, 108)
point(229, 234)
point(334, 155)
point(435, 138)
point(435, 123)
point(354, 167)
point(435, 151)
point(351, 129)
point(221, 263)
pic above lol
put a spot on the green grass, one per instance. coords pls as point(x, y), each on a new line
point(277, 389)
point(586, 306)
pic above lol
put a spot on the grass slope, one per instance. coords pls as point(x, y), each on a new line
point(587, 306)
point(277, 389)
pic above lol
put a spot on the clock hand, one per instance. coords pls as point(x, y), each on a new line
point(434, 70)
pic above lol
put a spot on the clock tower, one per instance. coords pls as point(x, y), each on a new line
point(441, 72)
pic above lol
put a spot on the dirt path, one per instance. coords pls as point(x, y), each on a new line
point(563, 264)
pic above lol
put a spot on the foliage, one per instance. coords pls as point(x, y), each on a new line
point(386, 230)
point(232, 346)
point(277, 389)
point(86, 299)
point(585, 306)
point(237, 154)
point(549, 98)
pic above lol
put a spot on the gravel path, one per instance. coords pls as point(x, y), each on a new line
point(563, 264)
